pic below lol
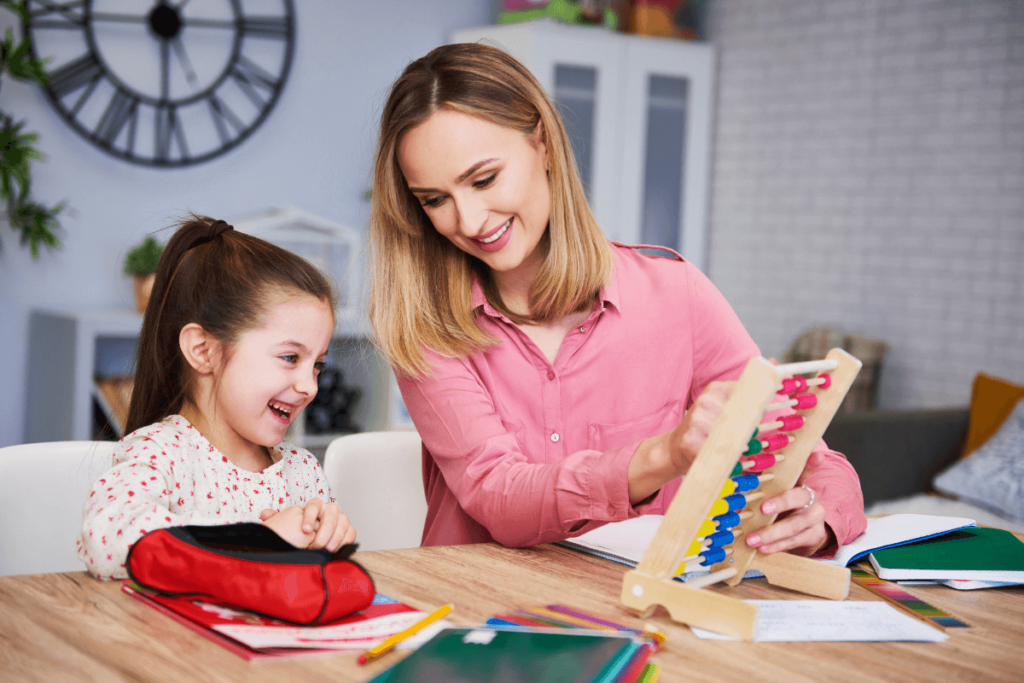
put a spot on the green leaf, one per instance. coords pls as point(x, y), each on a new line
point(38, 224)
point(143, 259)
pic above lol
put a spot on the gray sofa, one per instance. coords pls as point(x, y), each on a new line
point(898, 453)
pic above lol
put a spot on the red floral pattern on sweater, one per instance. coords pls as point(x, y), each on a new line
point(168, 474)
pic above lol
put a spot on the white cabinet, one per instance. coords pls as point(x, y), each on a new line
point(68, 350)
point(638, 113)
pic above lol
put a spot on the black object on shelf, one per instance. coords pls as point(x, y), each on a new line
point(335, 403)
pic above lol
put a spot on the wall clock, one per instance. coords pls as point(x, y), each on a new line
point(166, 83)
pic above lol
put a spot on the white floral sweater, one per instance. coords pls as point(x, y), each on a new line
point(168, 474)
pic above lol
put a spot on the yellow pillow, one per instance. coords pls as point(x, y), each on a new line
point(992, 399)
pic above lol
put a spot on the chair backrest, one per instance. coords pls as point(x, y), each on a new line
point(377, 478)
point(43, 487)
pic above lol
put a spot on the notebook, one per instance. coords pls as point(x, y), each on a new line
point(493, 653)
point(625, 542)
point(979, 554)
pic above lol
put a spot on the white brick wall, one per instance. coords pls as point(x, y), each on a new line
point(869, 174)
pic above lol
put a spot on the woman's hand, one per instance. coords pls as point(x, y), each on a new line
point(686, 438)
point(662, 458)
point(802, 531)
point(316, 525)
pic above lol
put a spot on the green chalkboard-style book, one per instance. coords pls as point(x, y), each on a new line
point(486, 653)
point(981, 554)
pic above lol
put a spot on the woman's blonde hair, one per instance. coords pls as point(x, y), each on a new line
point(421, 283)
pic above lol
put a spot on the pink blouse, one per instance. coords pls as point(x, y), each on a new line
point(523, 451)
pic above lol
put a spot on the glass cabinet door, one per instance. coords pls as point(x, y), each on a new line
point(579, 69)
point(665, 145)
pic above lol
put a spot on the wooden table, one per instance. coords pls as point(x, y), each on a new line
point(66, 627)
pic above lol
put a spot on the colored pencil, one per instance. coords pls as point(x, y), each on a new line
point(375, 652)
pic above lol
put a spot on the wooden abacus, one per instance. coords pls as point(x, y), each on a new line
point(706, 521)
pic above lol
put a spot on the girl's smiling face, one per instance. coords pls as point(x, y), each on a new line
point(271, 374)
point(483, 186)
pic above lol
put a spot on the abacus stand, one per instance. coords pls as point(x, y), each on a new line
point(652, 583)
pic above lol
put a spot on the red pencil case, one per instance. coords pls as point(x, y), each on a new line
point(249, 567)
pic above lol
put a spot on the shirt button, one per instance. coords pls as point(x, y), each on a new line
point(554, 437)
point(582, 329)
point(551, 374)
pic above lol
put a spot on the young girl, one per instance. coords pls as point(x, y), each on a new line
point(232, 341)
point(558, 381)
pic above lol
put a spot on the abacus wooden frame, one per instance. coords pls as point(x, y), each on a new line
point(652, 583)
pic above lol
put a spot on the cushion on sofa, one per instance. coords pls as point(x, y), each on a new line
point(993, 475)
point(992, 399)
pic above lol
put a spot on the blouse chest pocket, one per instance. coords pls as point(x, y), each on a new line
point(517, 430)
point(607, 436)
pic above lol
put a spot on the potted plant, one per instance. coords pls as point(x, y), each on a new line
point(141, 263)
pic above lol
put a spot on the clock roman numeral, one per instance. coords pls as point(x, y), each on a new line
point(123, 108)
point(64, 15)
point(84, 72)
point(251, 79)
point(168, 131)
point(221, 113)
point(81, 72)
point(266, 27)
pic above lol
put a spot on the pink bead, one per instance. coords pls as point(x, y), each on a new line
point(775, 442)
point(794, 385)
point(761, 463)
point(805, 401)
point(791, 422)
point(826, 380)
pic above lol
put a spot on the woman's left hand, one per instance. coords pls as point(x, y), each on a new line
point(801, 532)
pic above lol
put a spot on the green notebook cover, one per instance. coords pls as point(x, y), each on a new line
point(969, 553)
point(480, 654)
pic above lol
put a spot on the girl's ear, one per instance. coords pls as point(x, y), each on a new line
point(200, 349)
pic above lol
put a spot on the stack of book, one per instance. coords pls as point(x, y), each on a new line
point(972, 557)
point(252, 636)
point(552, 643)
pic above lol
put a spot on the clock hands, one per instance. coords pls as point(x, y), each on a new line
point(164, 125)
point(186, 63)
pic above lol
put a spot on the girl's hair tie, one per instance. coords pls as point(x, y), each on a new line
point(217, 228)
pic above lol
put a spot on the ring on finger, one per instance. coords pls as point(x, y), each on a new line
point(814, 496)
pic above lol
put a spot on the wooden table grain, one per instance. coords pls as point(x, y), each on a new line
point(70, 627)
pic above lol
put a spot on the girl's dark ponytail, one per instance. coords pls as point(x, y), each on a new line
point(221, 279)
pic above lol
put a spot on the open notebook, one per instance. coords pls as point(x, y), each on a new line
point(625, 542)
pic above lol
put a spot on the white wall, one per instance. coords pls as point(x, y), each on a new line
point(869, 174)
point(313, 151)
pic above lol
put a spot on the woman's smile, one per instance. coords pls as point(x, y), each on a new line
point(496, 239)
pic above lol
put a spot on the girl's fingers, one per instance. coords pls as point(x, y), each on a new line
point(329, 521)
point(310, 514)
point(267, 514)
point(344, 534)
point(350, 535)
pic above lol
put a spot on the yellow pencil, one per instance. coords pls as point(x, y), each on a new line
point(399, 637)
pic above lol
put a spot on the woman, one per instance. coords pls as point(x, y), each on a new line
point(558, 381)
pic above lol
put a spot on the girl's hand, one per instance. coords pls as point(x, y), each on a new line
point(332, 528)
point(289, 524)
point(802, 532)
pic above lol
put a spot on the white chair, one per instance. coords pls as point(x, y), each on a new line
point(43, 487)
point(377, 478)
